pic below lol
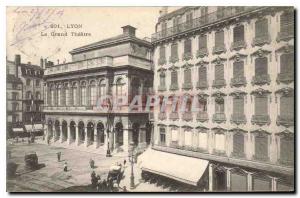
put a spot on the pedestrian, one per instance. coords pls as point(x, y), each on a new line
point(124, 162)
point(65, 167)
point(92, 163)
point(58, 156)
point(94, 180)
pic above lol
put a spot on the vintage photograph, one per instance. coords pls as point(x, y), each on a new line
point(150, 99)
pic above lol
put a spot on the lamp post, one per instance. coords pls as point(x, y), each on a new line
point(131, 160)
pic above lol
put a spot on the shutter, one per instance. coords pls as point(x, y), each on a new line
point(187, 46)
point(238, 143)
point(261, 147)
point(286, 149)
point(219, 72)
point(202, 74)
point(174, 51)
point(238, 33)
point(287, 22)
point(238, 69)
point(261, 66)
point(261, 105)
point(238, 106)
point(261, 28)
point(219, 40)
point(202, 42)
point(287, 63)
point(174, 80)
point(287, 106)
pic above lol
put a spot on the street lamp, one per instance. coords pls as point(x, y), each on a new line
point(131, 160)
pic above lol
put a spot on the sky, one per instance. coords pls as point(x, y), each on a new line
point(29, 28)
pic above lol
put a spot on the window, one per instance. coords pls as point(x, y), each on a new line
point(28, 82)
point(162, 55)
point(261, 105)
point(261, 183)
point(189, 20)
point(162, 80)
point(52, 96)
point(93, 93)
point(238, 144)
point(219, 38)
point(120, 87)
point(238, 106)
point(187, 46)
point(238, 69)
point(188, 136)
point(219, 72)
point(202, 44)
point(187, 76)
point(174, 50)
point(202, 74)
point(67, 93)
point(287, 63)
point(203, 105)
point(75, 94)
point(220, 142)
point(287, 106)
point(202, 140)
point(37, 82)
point(204, 14)
point(287, 149)
point(164, 29)
point(219, 105)
point(15, 106)
point(220, 12)
point(174, 135)
point(102, 88)
point(83, 94)
point(261, 147)
point(261, 28)
point(174, 78)
point(15, 96)
point(38, 95)
point(261, 66)
point(287, 22)
point(238, 33)
point(59, 95)
point(238, 181)
point(28, 95)
point(162, 135)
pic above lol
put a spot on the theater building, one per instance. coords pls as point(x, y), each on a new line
point(117, 66)
point(238, 62)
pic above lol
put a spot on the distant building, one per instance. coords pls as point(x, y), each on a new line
point(24, 97)
point(239, 62)
point(117, 66)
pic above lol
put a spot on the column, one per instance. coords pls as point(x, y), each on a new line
point(125, 139)
point(46, 133)
point(142, 137)
point(210, 177)
point(61, 134)
point(249, 181)
point(69, 135)
point(86, 141)
point(274, 184)
point(96, 143)
point(228, 176)
point(77, 136)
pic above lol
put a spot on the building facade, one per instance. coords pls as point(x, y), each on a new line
point(238, 63)
point(118, 67)
point(25, 96)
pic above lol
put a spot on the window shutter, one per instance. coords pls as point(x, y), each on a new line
point(187, 46)
point(287, 63)
point(219, 72)
point(261, 147)
point(287, 149)
point(287, 106)
point(174, 80)
point(287, 22)
point(202, 74)
point(238, 33)
point(261, 66)
point(261, 105)
point(187, 76)
point(261, 28)
point(238, 69)
point(238, 106)
point(202, 41)
point(174, 50)
point(238, 143)
point(219, 40)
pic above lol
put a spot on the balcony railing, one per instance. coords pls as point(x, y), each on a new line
point(238, 81)
point(187, 86)
point(219, 49)
point(287, 34)
point(201, 53)
point(174, 87)
point(187, 56)
point(238, 119)
point(238, 45)
point(202, 84)
point(162, 115)
point(219, 117)
point(174, 116)
point(285, 120)
point(80, 65)
point(219, 83)
point(261, 79)
point(187, 116)
point(173, 59)
point(213, 17)
point(261, 40)
point(285, 77)
point(202, 116)
point(260, 119)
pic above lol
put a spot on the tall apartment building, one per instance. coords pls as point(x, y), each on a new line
point(119, 66)
point(24, 95)
point(238, 63)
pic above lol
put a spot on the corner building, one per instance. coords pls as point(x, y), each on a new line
point(117, 66)
point(239, 61)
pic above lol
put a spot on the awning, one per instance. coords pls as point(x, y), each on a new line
point(37, 127)
point(28, 127)
point(181, 168)
point(18, 130)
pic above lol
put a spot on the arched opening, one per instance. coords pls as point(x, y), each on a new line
point(64, 128)
point(73, 131)
point(100, 134)
point(50, 129)
point(90, 133)
point(119, 134)
point(148, 133)
point(81, 132)
point(57, 130)
point(135, 133)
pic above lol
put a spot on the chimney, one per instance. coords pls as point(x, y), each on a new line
point(42, 63)
point(17, 63)
point(129, 30)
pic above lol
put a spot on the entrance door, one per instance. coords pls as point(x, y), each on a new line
point(220, 180)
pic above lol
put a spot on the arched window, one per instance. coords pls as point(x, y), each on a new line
point(162, 81)
point(93, 93)
point(75, 93)
point(120, 87)
point(83, 93)
point(59, 95)
point(102, 87)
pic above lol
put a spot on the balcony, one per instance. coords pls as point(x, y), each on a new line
point(238, 119)
point(202, 84)
point(174, 116)
point(161, 88)
point(162, 116)
point(219, 49)
point(261, 119)
point(201, 53)
point(261, 79)
point(219, 83)
point(173, 87)
point(162, 61)
point(187, 86)
point(286, 120)
point(238, 45)
point(261, 40)
point(187, 56)
point(219, 117)
point(199, 22)
point(285, 77)
point(202, 116)
point(173, 59)
point(287, 34)
point(187, 116)
point(238, 81)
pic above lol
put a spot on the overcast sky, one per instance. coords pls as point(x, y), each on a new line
point(26, 24)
